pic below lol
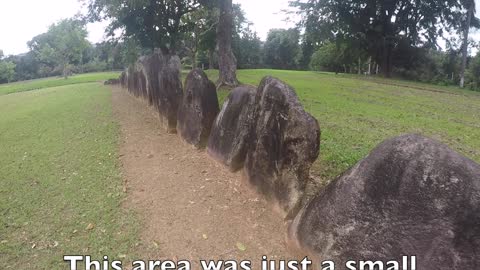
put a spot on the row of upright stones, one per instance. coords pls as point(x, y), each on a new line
point(157, 79)
point(267, 132)
point(263, 130)
point(410, 196)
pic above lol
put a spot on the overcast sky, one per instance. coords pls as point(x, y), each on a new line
point(21, 20)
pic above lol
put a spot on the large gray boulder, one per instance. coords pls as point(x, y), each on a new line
point(130, 79)
point(411, 196)
point(156, 78)
point(171, 91)
point(198, 110)
point(136, 80)
point(159, 82)
point(229, 139)
point(284, 144)
point(123, 79)
point(142, 67)
point(112, 82)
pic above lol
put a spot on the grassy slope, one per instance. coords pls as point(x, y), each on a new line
point(357, 114)
point(51, 82)
point(59, 174)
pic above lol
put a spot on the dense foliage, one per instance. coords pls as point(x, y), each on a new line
point(396, 38)
point(61, 46)
point(154, 23)
point(7, 69)
point(426, 41)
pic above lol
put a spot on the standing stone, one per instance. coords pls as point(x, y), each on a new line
point(171, 92)
point(152, 66)
point(142, 68)
point(198, 110)
point(229, 140)
point(141, 82)
point(161, 85)
point(123, 79)
point(131, 79)
point(411, 196)
point(285, 142)
point(112, 82)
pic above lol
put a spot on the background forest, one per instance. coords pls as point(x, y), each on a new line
point(424, 41)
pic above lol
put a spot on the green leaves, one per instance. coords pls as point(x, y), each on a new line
point(378, 26)
point(155, 24)
point(62, 45)
point(7, 71)
point(282, 48)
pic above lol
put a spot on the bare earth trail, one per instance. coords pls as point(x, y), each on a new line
point(191, 207)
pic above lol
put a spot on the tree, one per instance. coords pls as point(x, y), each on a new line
point(470, 6)
point(326, 58)
point(154, 23)
point(282, 48)
point(227, 62)
point(377, 26)
point(208, 38)
point(474, 72)
point(62, 45)
point(7, 71)
point(26, 66)
point(307, 48)
point(198, 23)
point(246, 45)
point(248, 49)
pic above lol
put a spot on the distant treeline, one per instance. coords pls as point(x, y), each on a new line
point(395, 39)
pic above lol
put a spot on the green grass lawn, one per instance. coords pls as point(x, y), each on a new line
point(59, 152)
point(60, 173)
point(57, 81)
point(356, 114)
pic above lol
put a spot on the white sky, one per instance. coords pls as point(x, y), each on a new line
point(21, 20)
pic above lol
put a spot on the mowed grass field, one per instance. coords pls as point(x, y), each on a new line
point(60, 182)
point(356, 114)
point(52, 82)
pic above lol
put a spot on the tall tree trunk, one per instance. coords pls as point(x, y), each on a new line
point(359, 66)
point(226, 60)
point(387, 58)
point(471, 8)
point(370, 66)
point(211, 60)
point(65, 72)
point(194, 59)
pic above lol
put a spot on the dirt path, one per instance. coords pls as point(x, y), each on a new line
point(192, 207)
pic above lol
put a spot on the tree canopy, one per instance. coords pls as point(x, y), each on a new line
point(378, 26)
point(282, 48)
point(62, 45)
point(154, 23)
point(7, 71)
